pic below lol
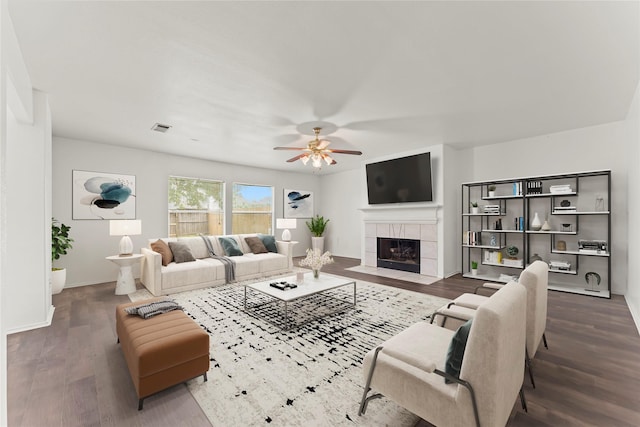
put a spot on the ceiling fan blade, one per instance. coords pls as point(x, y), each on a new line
point(298, 157)
point(289, 148)
point(345, 152)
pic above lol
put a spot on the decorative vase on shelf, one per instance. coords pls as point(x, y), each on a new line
point(316, 273)
point(536, 224)
point(534, 258)
point(546, 226)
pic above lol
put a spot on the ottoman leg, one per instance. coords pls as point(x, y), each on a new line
point(140, 401)
point(205, 376)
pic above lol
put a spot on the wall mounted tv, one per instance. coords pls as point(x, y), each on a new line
point(403, 180)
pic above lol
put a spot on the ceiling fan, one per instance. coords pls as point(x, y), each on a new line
point(317, 151)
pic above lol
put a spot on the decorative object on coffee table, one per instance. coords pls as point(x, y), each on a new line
point(316, 260)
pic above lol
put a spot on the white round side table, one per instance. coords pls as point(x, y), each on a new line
point(126, 283)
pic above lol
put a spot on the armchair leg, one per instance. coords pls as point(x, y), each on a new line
point(527, 362)
point(523, 401)
point(367, 388)
point(544, 340)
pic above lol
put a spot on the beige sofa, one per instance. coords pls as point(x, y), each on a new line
point(206, 271)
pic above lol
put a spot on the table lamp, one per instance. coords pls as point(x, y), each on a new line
point(125, 228)
point(286, 224)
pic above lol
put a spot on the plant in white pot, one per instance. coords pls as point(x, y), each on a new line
point(317, 226)
point(60, 243)
point(474, 267)
point(492, 191)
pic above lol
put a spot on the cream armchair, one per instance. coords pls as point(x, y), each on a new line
point(535, 279)
point(409, 368)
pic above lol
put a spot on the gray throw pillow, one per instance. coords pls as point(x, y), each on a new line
point(455, 353)
point(181, 252)
point(230, 246)
point(269, 242)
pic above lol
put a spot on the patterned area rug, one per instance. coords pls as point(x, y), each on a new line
point(311, 375)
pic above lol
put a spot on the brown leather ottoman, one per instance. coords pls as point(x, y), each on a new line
point(161, 351)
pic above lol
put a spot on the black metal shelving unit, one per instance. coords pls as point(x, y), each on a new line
point(573, 229)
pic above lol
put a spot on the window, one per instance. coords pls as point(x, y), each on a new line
point(252, 209)
point(195, 206)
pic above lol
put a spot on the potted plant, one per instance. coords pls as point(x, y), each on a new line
point(60, 243)
point(474, 207)
point(474, 267)
point(317, 226)
point(492, 190)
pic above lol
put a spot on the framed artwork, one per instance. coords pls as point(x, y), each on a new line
point(99, 195)
point(298, 204)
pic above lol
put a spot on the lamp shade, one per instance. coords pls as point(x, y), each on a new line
point(125, 227)
point(282, 223)
point(286, 224)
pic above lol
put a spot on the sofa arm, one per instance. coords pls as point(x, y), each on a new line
point(151, 276)
point(286, 249)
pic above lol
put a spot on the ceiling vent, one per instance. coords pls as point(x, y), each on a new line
point(159, 127)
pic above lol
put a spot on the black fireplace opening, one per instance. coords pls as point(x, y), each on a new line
point(399, 254)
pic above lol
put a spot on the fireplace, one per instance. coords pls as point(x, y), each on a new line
point(399, 254)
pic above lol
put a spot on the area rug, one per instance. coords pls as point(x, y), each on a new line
point(311, 375)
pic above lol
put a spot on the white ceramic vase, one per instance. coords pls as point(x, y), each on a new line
point(536, 224)
point(318, 243)
point(58, 279)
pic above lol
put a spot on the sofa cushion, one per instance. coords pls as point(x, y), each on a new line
point(196, 245)
point(269, 242)
point(256, 245)
point(271, 262)
point(455, 353)
point(247, 266)
point(163, 249)
point(181, 252)
point(201, 271)
point(231, 246)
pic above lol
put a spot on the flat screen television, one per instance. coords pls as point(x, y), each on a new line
point(403, 180)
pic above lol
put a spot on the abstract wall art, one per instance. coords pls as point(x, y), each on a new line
point(98, 195)
point(298, 204)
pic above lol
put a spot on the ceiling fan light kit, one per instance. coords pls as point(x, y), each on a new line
point(317, 151)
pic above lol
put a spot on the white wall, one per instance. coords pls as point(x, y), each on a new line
point(28, 184)
point(592, 148)
point(458, 168)
point(343, 196)
point(633, 196)
point(86, 262)
point(25, 153)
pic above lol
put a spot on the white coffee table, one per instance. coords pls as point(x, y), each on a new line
point(309, 287)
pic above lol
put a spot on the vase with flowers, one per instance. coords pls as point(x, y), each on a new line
point(315, 259)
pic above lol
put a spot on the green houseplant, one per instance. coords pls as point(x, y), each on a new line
point(60, 243)
point(474, 267)
point(317, 226)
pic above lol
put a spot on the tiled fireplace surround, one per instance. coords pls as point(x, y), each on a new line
point(424, 230)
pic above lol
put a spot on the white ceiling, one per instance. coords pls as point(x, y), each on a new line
point(236, 79)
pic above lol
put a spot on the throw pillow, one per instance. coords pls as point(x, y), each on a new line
point(181, 252)
point(269, 242)
point(455, 353)
point(256, 245)
point(163, 249)
point(230, 246)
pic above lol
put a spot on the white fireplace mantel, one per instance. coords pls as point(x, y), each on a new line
point(420, 213)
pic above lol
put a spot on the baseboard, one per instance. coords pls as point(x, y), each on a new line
point(635, 312)
point(38, 325)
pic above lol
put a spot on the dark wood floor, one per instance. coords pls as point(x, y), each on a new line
point(73, 373)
